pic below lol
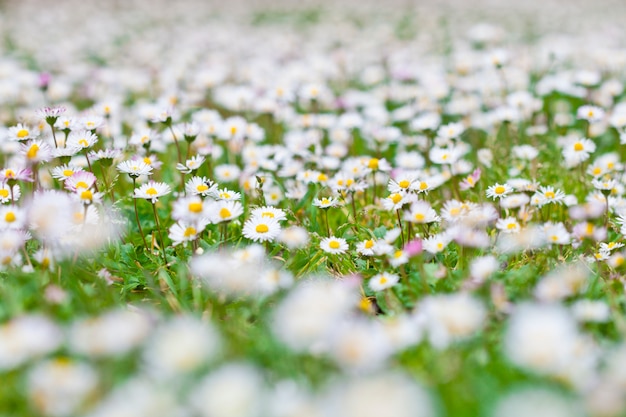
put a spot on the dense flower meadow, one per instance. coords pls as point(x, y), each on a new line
point(327, 210)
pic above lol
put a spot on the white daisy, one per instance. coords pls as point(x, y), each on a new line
point(383, 281)
point(261, 229)
point(334, 245)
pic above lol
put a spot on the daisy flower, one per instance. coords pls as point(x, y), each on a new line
point(81, 139)
point(182, 232)
point(228, 195)
point(394, 201)
point(189, 209)
point(402, 184)
point(21, 132)
point(326, 202)
point(508, 225)
point(399, 257)
point(224, 211)
point(383, 281)
point(604, 185)
point(273, 195)
point(8, 193)
point(152, 191)
point(442, 156)
point(376, 164)
point(261, 229)
point(454, 210)
point(334, 245)
point(423, 186)
point(269, 213)
point(134, 168)
point(437, 243)
point(12, 217)
point(589, 113)
point(499, 190)
point(608, 247)
point(471, 180)
point(201, 186)
point(51, 114)
point(87, 196)
point(422, 213)
point(23, 174)
point(142, 138)
point(549, 195)
point(80, 180)
point(37, 151)
point(227, 173)
point(556, 233)
point(577, 151)
point(191, 164)
point(514, 201)
point(64, 172)
point(451, 130)
point(294, 237)
point(366, 247)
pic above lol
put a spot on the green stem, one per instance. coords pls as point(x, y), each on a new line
point(156, 220)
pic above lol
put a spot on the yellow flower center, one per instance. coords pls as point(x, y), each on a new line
point(233, 130)
point(267, 214)
point(190, 231)
point(152, 191)
point(578, 147)
point(333, 244)
point(22, 133)
point(225, 196)
point(67, 172)
point(9, 173)
point(225, 213)
point(396, 198)
point(4, 193)
point(439, 245)
point(373, 163)
point(382, 280)
point(32, 151)
point(147, 160)
point(195, 207)
point(262, 228)
point(202, 187)
point(455, 211)
point(81, 184)
point(511, 226)
point(78, 217)
point(404, 184)
point(550, 194)
point(86, 195)
point(365, 304)
point(423, 186)
point(397, 254)
point(419, 217)
point(499, 189)
point(597, 171)
point(83, 143)
point(9, 217)
point(325, 201)
point(369, 244)
point(322, 178)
